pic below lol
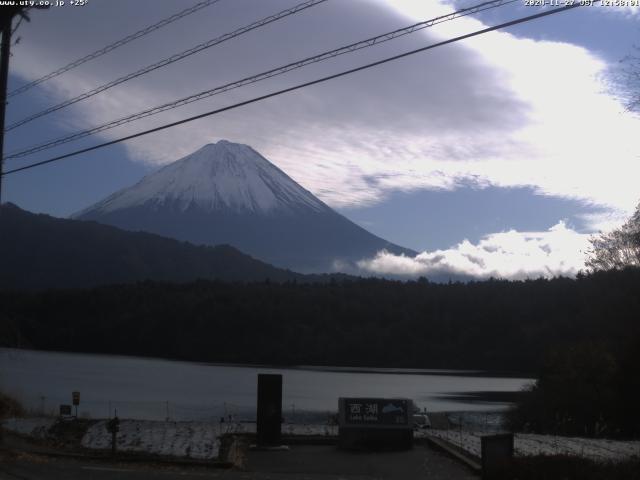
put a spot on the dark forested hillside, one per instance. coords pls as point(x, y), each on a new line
point(495, 325)
point(39, 251)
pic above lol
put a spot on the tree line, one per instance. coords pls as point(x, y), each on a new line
point(494, 325)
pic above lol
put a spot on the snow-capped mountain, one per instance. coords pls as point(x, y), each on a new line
point(227, 193)
point(219, 176)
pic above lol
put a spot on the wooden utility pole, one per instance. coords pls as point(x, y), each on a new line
point(6, 19)
point(6, 16)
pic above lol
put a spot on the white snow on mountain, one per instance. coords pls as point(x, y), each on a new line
point(219, 176)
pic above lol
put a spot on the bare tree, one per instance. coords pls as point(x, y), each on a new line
point(621, 247)
point(617, 249)
point(628, 80)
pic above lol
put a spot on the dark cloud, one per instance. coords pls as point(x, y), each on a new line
point(447, 89)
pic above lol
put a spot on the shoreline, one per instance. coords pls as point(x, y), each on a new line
point(312, 368)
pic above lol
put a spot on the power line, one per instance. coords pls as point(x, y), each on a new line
point(261, 76)
point(130, 38)
point(170, 60)
point(298, 87)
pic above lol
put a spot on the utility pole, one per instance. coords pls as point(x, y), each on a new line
point(6, 17)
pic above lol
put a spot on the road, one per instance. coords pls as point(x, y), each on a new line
point(301, 462)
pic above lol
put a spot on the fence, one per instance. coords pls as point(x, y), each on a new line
point(169, 410)
point(465, 429)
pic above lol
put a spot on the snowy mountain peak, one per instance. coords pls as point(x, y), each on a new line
point(218, 176)
point(227, 193)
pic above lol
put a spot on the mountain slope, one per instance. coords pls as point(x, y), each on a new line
point(40, 251)
point(227, 193)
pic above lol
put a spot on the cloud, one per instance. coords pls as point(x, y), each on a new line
point(511, 255)
point(631, 10)
point(496, 110)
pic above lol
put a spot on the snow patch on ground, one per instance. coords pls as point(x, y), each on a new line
point(35, 427)
point(287, 429)
point(198, 440)
point(530, 444)
point(314, 430)
point(201, 440)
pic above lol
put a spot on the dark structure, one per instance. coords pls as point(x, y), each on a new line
point(269, 409)
point(497, 454)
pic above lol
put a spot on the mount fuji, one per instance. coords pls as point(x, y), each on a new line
point(227, 193)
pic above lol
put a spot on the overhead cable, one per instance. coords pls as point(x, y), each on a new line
point(168, 61)
point(528, 18)
point(112, 46)
point(260, 76)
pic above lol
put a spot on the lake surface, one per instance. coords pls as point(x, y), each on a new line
point(149, 388)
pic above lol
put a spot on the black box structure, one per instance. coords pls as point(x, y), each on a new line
point(269, 409)
point(496, 454)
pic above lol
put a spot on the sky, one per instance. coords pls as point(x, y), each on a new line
point(495, 156)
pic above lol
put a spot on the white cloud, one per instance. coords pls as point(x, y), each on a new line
point(496, 109)
point(628, 9)
point(511, 255)
point(577, 141)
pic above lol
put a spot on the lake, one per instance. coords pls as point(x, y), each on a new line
point(154, 389)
